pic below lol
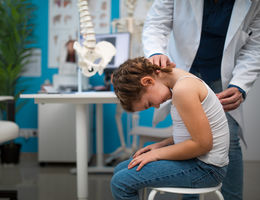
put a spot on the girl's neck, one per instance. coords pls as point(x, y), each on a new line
point(169, 79)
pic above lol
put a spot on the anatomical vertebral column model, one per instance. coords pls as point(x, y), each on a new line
point(133, 26)
point(92, 57)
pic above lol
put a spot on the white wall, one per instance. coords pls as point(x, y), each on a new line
point(252, 124)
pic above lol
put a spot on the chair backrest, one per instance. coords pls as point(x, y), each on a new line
point(146, 133)
point(8, 131)
point(6, 98)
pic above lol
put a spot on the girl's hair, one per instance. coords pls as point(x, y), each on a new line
point(126, 80)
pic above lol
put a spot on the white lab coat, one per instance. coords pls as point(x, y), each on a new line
point(182, 21)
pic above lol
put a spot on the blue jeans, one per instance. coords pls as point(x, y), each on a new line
point(193, 173)
point(232, 188)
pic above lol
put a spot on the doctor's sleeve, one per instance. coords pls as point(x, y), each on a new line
point(157, 27)
point(247, 65)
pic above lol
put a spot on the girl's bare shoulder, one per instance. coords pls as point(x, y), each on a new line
point(189, 88)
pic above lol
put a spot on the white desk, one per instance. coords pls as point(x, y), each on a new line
point(82, 100)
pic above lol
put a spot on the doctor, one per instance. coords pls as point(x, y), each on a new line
point(219, 41)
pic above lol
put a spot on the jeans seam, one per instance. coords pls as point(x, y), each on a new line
point(163, 177)
point(197, 180)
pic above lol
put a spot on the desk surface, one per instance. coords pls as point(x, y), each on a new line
point(74, 98)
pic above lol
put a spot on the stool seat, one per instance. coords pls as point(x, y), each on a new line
point(176, 190)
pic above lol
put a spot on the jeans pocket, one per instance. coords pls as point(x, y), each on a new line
point(205, 180)
point(209, 175)
point(220, 173)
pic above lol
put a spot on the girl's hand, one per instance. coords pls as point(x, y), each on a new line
point(147, 148)
point(143, 159)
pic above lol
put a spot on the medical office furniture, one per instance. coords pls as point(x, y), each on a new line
point(56, 138)
point(81, 102)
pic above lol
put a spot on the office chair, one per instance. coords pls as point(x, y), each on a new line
point(8, 131)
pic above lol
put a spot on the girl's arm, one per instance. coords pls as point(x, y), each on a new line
point(187, 99)
point(163, 143)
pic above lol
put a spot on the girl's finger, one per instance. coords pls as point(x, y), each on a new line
point(140, 166)
point(139, 152)
point(133, 163)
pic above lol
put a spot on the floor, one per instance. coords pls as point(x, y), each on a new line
point(55, 182)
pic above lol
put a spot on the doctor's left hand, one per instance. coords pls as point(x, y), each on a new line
point(142, 160)
point(231, 98)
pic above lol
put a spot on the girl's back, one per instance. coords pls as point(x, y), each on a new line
point(218, 123)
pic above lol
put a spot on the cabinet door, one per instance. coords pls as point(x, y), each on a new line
point(56, 124)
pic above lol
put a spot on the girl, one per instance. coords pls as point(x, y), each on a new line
point(196, 155)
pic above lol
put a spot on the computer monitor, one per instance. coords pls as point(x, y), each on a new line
point(121, 41)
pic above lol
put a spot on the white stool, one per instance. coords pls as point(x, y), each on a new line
point(200, 191)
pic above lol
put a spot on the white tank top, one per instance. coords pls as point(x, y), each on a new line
point(218, 155)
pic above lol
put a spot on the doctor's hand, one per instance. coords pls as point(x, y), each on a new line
point(231, 98)
point(161, 60)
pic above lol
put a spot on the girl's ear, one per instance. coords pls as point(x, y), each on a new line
point(147, 81)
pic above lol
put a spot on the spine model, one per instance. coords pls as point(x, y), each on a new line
point(92, 57)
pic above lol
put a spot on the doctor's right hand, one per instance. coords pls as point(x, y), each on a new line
point(161, 60)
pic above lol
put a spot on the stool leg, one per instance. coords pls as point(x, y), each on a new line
point(220, 196)
point(144, 194)
point(201, 196)
point(152, 195)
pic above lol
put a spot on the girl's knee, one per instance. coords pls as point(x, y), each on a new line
point(122, 165)
point(123, 180)
point(114, 181)
point(117, 181)
point(121, 187)
point(118, 187)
